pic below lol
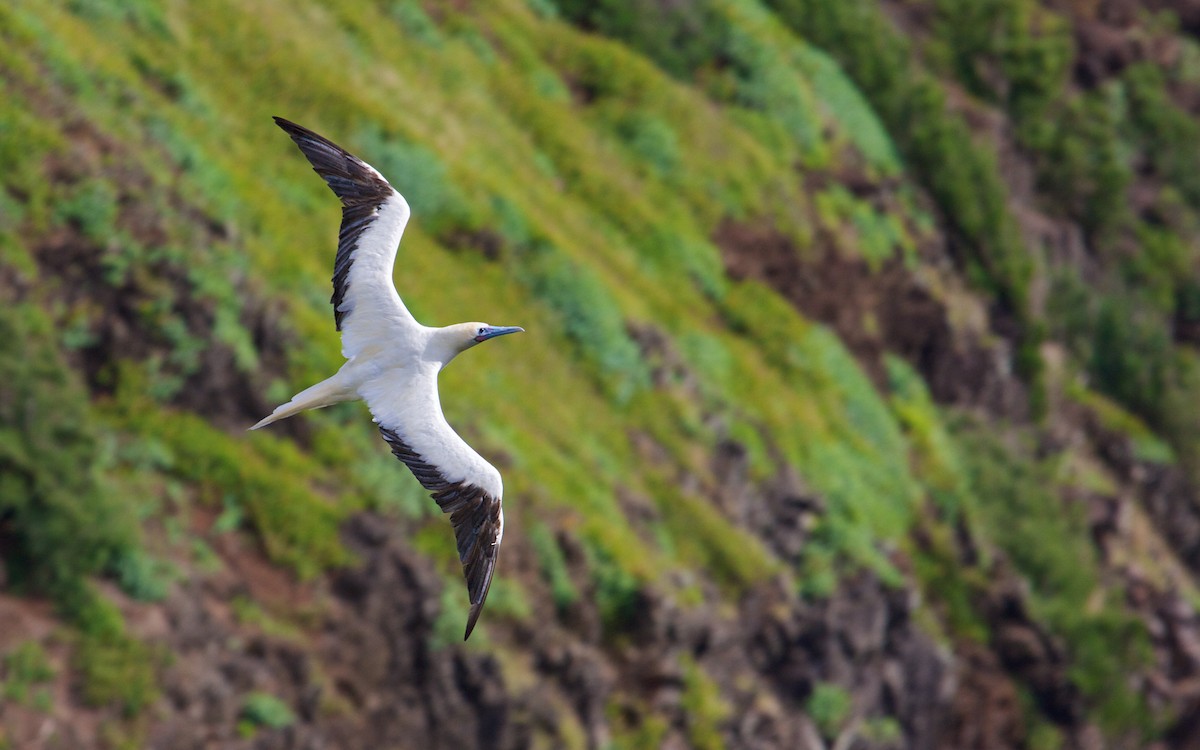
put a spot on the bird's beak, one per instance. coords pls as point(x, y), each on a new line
point(493, 332)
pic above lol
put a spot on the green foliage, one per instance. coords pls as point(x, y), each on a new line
point(415, 22)
point(268, 482)
point(765, 81)
point(553, 565)
point(1046, 539)
point(647, 735)
point(961, 175)
point(878, 234)
point(845, 101)
point(66, 525)
point(1081, 162)
point(91, 208)
point(1131, 356)
point(955, 587)
point(248, 612)
point(1161, 270)
point(116, 669)
point(26, 667)
point(704, 708)
point(617, 590)
point(706, 539)
point(882, 730)
point(507, 599)
point(935, 458)
point(1146, 445)
point(681, 37)
point(143, 15)
point(265, 710)
point(1166, 133)
point(590, 319)
point(652, 141)
point(829, 706)
point(1013, 52)
point(142, 576)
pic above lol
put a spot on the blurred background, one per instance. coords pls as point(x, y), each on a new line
point(859, 405)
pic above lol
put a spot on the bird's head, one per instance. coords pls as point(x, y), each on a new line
point(470, 334)
point(449, 342)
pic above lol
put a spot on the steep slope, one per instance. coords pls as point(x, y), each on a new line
point(856, 408)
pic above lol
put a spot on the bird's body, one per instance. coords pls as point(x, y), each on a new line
point(392, 361)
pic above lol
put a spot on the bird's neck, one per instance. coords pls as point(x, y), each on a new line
point(444, 345)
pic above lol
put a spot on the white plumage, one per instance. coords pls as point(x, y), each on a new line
point(392, 361)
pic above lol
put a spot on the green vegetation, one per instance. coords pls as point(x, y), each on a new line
point(829, 707)
point(118, 670)
point(553, 566)
point(264, 710)
point(1047, 542)
point(704, 708)
point(25, 671)
point(68, 523)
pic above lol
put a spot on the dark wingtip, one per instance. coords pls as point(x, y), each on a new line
point(293, 129)
point(476, 609)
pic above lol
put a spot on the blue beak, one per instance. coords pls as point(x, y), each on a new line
point(494, 331)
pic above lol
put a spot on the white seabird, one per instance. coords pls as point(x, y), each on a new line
point(392, 361)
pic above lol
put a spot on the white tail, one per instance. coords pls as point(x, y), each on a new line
point(325, 393)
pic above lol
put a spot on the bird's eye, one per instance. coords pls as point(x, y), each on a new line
point(482, 331)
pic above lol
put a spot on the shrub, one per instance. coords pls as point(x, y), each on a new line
point(1160, 271)
point(1131, 356)
point(265, 710)
point(553, 565)
point(25, 667)
point(91, 207)
point(415, 22)
point(141, 576)
point(1012, 52)
point(1080, 164)
point(116, 669)
point(590, 318)
point(143, 15)
point(652, 141)
point(703, 706)
point(64, 524)
point(1166, 133)
point(268, 480)
point(1046, 539)
point(680, 37)
point(617, 590)
point(828, 706)
point(962, 177)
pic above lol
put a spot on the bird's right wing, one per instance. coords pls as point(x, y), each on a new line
point(366, 307)
point(462, 482)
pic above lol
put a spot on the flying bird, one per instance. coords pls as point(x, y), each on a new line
point(392, 361)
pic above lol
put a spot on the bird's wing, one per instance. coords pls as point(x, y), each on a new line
point(366, 307)
point(464, 485)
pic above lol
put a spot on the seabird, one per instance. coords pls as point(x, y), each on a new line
point(392, 361)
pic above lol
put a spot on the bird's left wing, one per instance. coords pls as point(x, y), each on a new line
point(366, 307)
point(462, 482)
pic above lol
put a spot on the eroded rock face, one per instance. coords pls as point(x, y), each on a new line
point(367, 670)
point(368, 674)
point(873, 311)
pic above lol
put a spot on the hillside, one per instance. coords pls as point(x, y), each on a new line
point(859, 404)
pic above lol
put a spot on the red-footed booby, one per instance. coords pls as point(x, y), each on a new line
point(392, 361)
